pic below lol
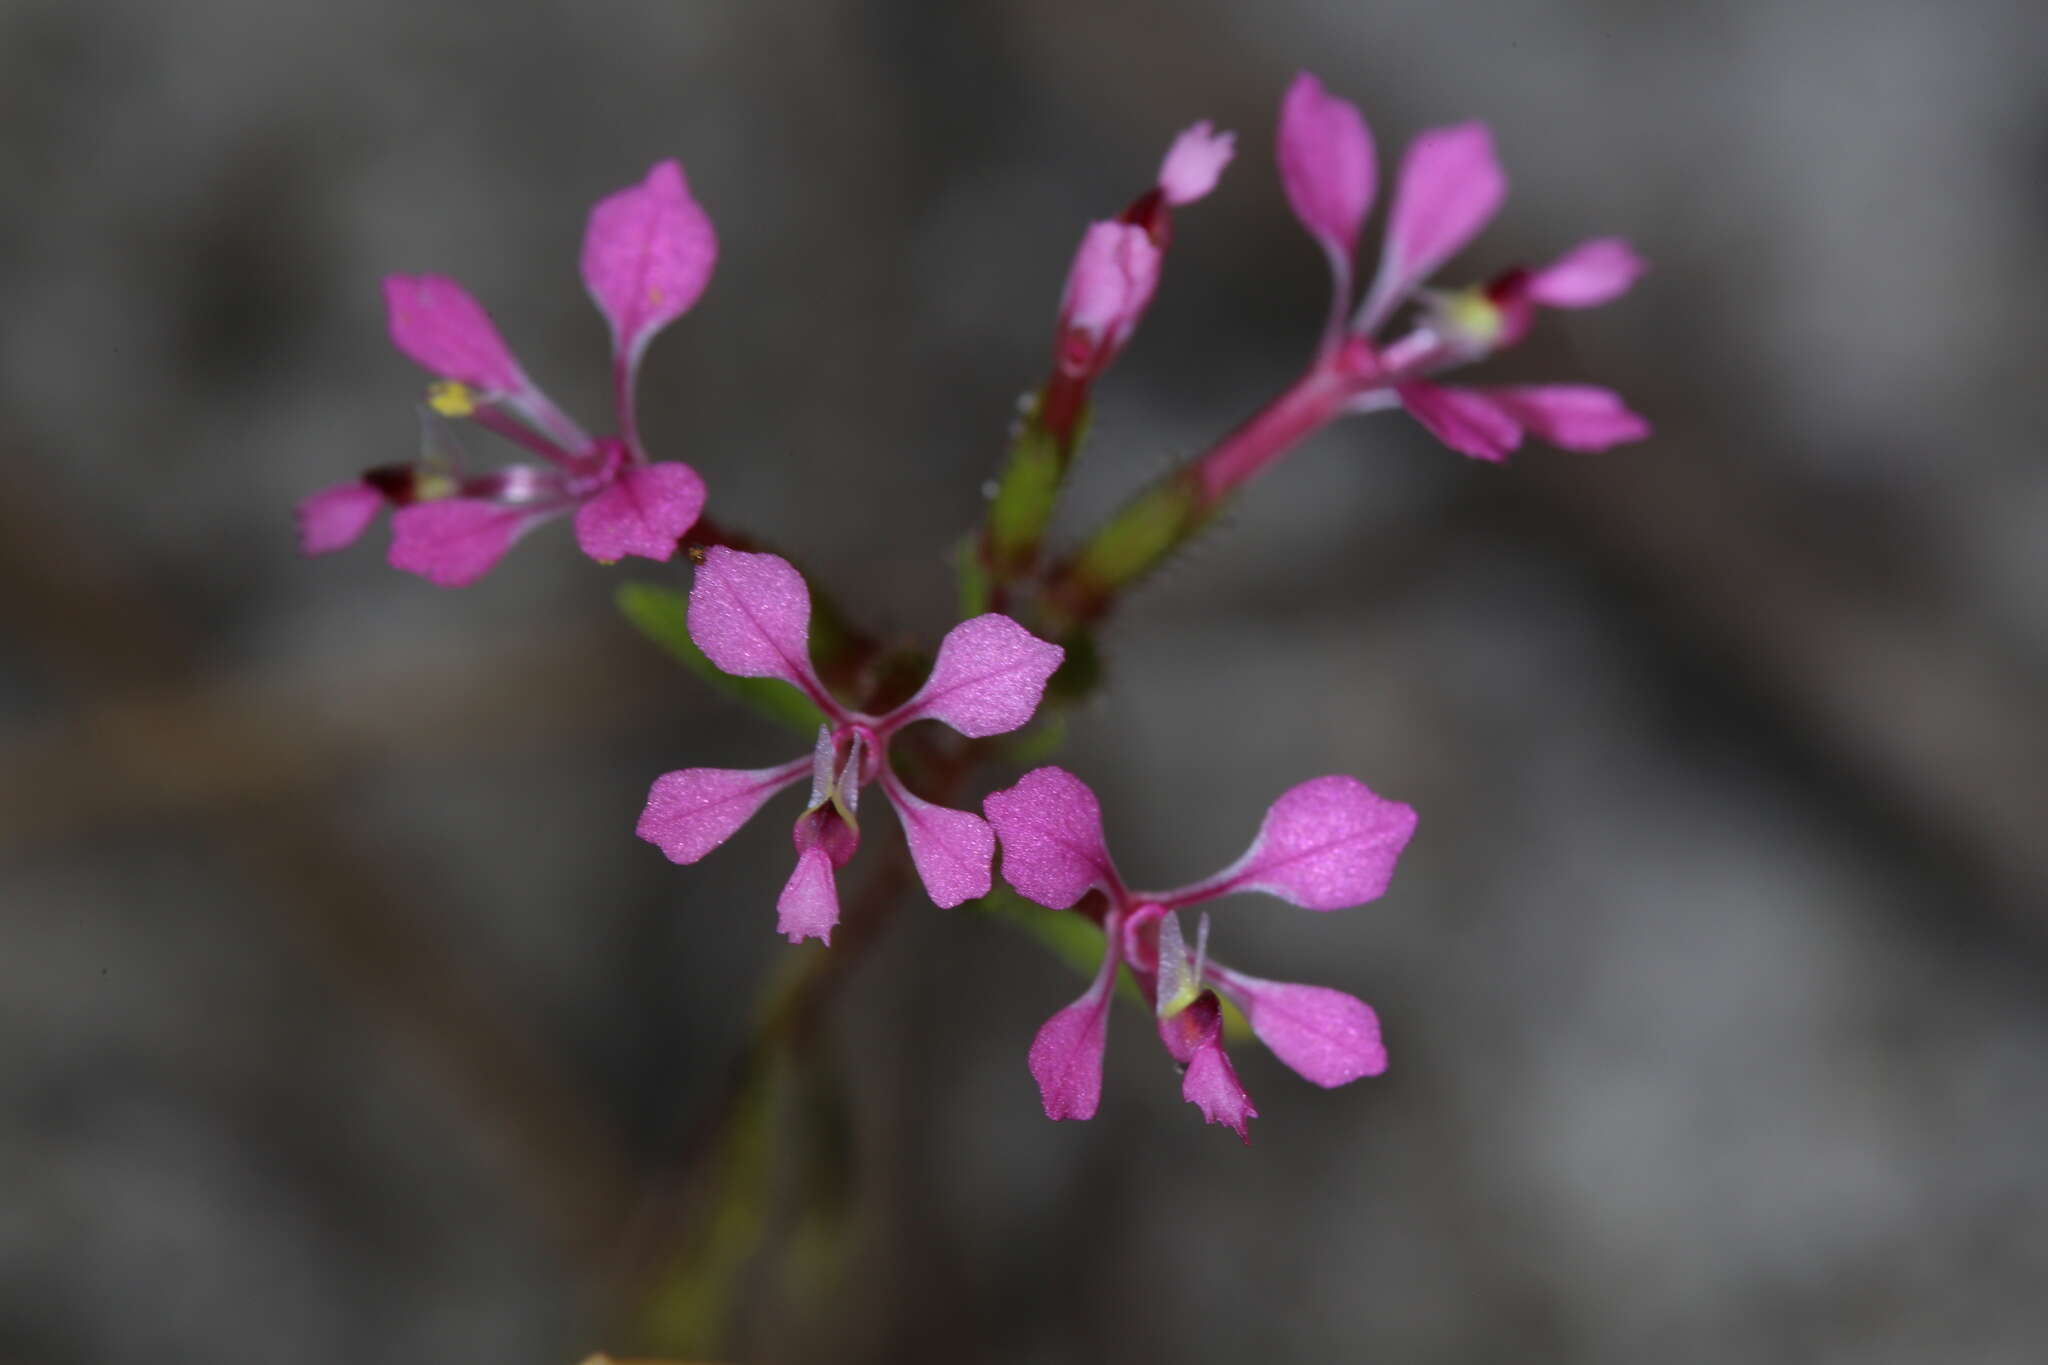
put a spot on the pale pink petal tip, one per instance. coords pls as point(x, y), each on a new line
point(334, 518)
point(1327, 165)
point(1112, 279)
point(1451, 186)
point(751, 615)
point(1324, 845)
point(645, 511)
point(1572, 416)
point(1051, 830)
point(455, 541)
point(648, 252)
point(435, 322)
point(1590, 274)
point(809, 904)
point(1066, 1058)
point(693, 811)
point(1194, 163)
point(988, 679)
point(1468, 421)
point(953, 849)
point(1326, 1036)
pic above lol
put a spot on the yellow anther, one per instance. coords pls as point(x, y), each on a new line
point(1467, 317)
point(430, 485)
point(451, 398)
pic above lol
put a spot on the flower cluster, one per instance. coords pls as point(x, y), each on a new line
point(647, 255)
point(1329, 843)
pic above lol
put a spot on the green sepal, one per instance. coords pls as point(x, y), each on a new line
point(662, 615)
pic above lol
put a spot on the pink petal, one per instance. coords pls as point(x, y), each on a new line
point(1327, 1036)
point(1066, 1056)
point(333, 518)
point(1324, 845)
point(645, 512)
point(1194, 162)
point(1451, 185)
point(693, 811)
point(647, 255)
point(455, 541)
point(953, 849)
point(1588, 275)
point(1109, 285)
point(435, 322)
point(1194, 1037)
point(988, 680)
point(1051, 828)
point(809, 904)
point(1468, 421)
point(751, 615)
point(1327, 166)
point(1571, 416)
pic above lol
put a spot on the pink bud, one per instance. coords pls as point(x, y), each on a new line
point(1109, 286)
point(1194, 162)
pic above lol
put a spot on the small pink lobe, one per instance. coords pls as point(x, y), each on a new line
point(645, 511)
point(1050, 825)
point(1195, 1039)
point(1590, 274)
point(1111, 282)
point(988, 679)
point(953, 849)
point(1324, 845)
point(751, 615)
point(334, 518)
point(693, 811)
point(1194, 163)
point(435, 322)
point(1466, 420)
point(1451, 186)
point(1327, 166)
point(648, 252)
point(455, 541)
point(809, 904)
point(1571, 416)
point(1326, 1036)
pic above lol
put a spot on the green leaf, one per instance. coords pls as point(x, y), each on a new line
point(662, 615)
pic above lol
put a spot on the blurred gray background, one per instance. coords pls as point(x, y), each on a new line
point(343, 1019)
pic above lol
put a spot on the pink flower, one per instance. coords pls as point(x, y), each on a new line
point(1449, 187)
point(1326, 844)
point(751, 615)
point(648, 252)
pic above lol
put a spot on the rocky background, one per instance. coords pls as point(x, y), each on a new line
point(343, 1019)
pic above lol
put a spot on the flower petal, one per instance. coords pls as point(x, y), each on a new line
point(1051, 828)
point(455, 541)
point(1590, 274)
point(1324, 845)
point(333, 518)
point(1466, 420)
point(1571, 416)
point(809, 904)
point(645, 511)
point(647, 255)
point(988, 679)
point(1327, 166)
point(436, 323)
point(693, 811)
point(1326, 1036)
point(751, 615)
point(1194, 1037)
point(953, 849)
point(1066, 1056)
point(1451, 185)
point(1194, 162)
